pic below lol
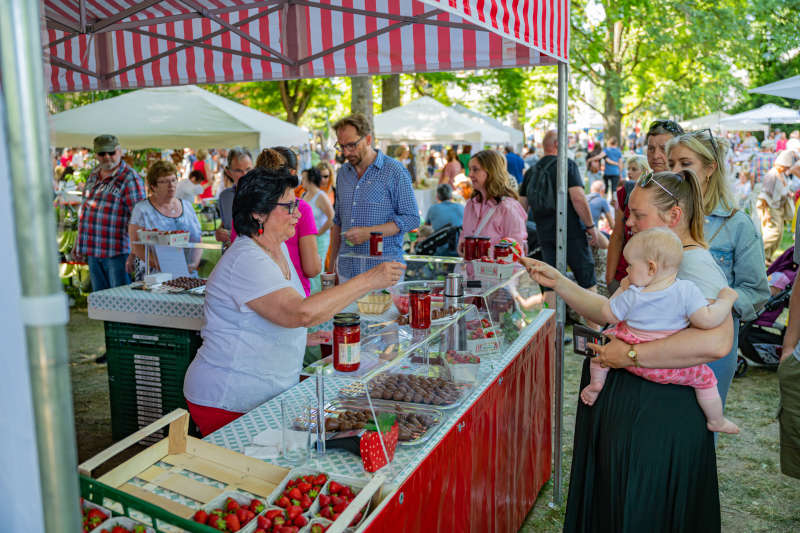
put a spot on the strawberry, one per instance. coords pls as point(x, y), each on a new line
point(325, 512)
point(231, 505)
point(293, 511)
point(335, 500)
point(324, 499)
point(313, 493)
point(259, 530)
point(320, 479)
point(287, 529)
point(341, 506)
point(256, 506)
point(371, 450)
point(317, 528)
point(242, 514)
point(308, 479)
point(119, 529)
point(200, 516)
point(262, 522)
point(295, 494)
point(334, 487)
point(304, 487)
point(347, 493)
point(272, 513)
point(277, 521)
point(306, 502)
point(283, 502)
point(300, 521)
point(232, 523)
point(216, 522)
point(139, 529)
point(357, 519)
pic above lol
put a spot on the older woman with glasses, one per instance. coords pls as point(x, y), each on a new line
point(732, 237)
point(163, 210)
point(256, 312)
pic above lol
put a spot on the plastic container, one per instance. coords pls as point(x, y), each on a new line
point(295, 473)
point(462, 372)
point(346, 342)
point(355, 484)
point(240, 498)
point(127, 523)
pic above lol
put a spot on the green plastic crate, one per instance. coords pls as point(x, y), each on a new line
point(146, 367)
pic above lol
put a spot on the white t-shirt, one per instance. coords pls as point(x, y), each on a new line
point(245, 359)
point(699, 266)
point(667, 309)
point(186, 190)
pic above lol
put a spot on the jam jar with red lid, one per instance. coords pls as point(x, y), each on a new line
point(502, 251)
point(376, 243)
point(419, 301)
point(346, 342)
point(470, 248)
point(484, 245)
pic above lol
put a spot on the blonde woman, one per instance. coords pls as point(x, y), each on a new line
point(637, 167)
point(494, 209)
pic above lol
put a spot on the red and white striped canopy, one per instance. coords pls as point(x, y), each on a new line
point(118, 44)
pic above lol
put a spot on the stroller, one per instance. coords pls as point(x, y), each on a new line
point(761, 340)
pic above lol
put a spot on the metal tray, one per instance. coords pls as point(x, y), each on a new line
point(381, 406)
point(356, 390)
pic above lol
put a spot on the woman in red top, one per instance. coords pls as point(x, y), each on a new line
point(202, 165)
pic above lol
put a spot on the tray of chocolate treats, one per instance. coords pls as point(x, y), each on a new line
point(411, 389)
point(416, 423)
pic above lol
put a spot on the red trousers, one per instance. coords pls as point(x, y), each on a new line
point(210, 419)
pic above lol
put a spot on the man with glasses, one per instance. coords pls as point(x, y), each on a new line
point(240, 162)
point(112, 189)
point(373, 194)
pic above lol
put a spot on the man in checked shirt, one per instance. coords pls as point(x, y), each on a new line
point(112, 189)
point(373, 194)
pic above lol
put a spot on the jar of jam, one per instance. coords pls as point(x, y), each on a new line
point(470, 248)
point(484, 245)
point(419, 301)
point(328, 280)
point(346, 342)
point(376, 243)
point(502, 251)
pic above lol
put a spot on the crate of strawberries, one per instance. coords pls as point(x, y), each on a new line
point(92, 515)
point(122, 524)
point(463, 366)
point(336, 496)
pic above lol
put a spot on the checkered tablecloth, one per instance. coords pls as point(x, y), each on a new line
point(123, 304)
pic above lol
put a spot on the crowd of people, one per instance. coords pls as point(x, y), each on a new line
point(667, 246)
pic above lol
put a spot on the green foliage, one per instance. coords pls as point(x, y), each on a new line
point(58, 102)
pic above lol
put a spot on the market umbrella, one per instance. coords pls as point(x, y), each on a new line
point(768, 113)
point(169, 117)
point(788, 88)
point(714, 121)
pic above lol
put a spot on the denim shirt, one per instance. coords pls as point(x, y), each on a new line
point(739, 251)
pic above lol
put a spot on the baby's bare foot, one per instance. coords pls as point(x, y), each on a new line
point(589, 396)
point(723, 426)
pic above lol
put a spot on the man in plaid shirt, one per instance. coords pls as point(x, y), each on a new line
point(111, 191)
point(762, 161)
point(373, 194)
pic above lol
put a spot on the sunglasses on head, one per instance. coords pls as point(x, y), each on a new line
point(713, 142)
point(670, 125)
point(649, 178)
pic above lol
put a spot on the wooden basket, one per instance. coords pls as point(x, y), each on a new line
point(374, 303)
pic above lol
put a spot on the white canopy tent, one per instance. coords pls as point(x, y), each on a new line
point(517, 137)
point(170, 117)
point(768, 114)
point(714, 121)
point(788, 88)
point(425, 120)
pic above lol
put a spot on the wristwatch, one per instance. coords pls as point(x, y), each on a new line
point(634, 356)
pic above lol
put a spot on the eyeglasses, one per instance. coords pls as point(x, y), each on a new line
point(106, 154)
point(324, 176)
point(670, 125)
point(713, 142)
point(348, 146)
point(291, 207)
point(648, 178)
point(166, 182)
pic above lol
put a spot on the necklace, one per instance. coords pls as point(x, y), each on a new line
point(279, 260)
point(170, 209)
point(685, 246)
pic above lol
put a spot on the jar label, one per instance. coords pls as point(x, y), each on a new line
point(349, 354)
point(380, 247)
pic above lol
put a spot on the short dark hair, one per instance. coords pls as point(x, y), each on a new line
point(289, 155)
point(238, 152)
point(444, 192)
point(196, 175)
point(314, 176)
point(356, 120)
point(159, 169)
point(257, 192)
point(662, 126)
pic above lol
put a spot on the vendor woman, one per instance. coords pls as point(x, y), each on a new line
point(254, 331)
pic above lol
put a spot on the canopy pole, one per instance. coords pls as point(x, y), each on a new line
point(43, 304)
point(561, 265)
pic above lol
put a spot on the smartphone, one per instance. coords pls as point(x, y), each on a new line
point(582, 336)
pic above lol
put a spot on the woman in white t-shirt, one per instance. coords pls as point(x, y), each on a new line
point(254, 328)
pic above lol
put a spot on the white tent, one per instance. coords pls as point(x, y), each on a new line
point(788, 88)
point(173, 117)
point(768, 113)
point(714, 121)
point(425, 120)
point(517, 137)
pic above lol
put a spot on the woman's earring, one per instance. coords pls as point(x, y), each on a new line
point(261, 228)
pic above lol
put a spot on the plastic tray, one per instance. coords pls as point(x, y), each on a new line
point(354, 483)
point(124, 521)
point(293, 474)
point(242, 499)
point(356, 390)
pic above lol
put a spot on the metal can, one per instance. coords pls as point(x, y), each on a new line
point(346, 342)
point(328, 280)
point(376, 243)
point(419, 302)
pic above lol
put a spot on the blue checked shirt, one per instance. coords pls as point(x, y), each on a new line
point(383, 194)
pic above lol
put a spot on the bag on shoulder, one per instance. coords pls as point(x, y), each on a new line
point(542, 188)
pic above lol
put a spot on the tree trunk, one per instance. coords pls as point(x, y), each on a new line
point(390, 92)
point(612, 117)
point(361, 99)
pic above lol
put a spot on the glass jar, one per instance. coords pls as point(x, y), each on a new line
point(376, 243)
point(470, 248)
point(419, 301)
point(327, 280)
point(484, 245)
point(346, 342)
point(502, 251)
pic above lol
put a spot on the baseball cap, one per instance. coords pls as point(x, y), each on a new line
point(106, 143)
point(787, 158)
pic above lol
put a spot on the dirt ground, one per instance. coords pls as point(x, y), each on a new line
point(755, 496)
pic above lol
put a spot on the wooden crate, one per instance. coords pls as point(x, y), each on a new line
point(183, 453)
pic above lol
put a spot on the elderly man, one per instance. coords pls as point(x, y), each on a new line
point(373, 194)
point(773, 204)
point(111, 191)
point(240, 162)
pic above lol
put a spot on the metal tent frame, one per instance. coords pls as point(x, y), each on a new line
point(81, 50)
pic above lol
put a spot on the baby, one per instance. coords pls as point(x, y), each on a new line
point(650, 304)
